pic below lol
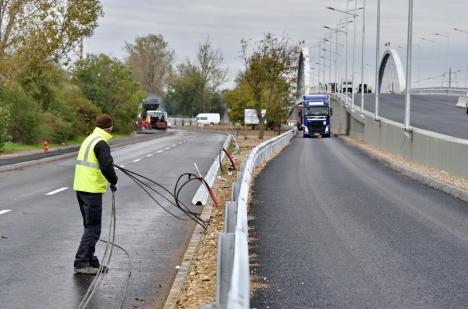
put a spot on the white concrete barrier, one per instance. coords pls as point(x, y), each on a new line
point(462, 102)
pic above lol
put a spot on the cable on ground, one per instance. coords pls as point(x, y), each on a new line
point(231, 159)
point(110, 243)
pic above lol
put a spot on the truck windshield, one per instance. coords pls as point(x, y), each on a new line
point(316, 111)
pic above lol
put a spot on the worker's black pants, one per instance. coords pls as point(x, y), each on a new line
point(91, 211)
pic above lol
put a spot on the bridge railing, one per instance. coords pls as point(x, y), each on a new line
point(232, 273)
point(458, 91)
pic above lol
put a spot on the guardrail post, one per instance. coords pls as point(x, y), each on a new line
point(234, 192)
point(230, 217)
point(226, 242)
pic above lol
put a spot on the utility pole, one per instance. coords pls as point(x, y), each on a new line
point(354, 58)
point(408, 66)
point(377, 64)
point(363, 64)
point(450, 78)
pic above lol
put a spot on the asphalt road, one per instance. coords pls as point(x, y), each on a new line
point(40, 234)
point(429, 112)
point(335, 229)
point(6, 159)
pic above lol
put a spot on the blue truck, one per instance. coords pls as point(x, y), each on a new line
point(315, 114)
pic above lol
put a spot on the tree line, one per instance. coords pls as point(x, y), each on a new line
point(48, 92)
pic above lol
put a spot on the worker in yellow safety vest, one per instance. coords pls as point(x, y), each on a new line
point(94, 168)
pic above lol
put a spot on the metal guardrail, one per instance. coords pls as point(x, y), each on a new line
point(182, 121)
point(233, 277)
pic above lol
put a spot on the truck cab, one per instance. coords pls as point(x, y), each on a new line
point(315, 115)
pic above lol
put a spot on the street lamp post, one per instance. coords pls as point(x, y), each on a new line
point(466, 64)
point(346, 56)
point(377, 64)
point(336, 30)
point(330, 52)
point(318, 74)
point(344, 22)
point(408, 67)
point(324, 40)
point(446, 47)
point(363, 53)
point(354, 59)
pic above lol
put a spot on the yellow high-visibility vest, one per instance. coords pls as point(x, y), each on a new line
point(88, 175)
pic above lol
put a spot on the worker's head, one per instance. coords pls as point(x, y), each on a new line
point(104, 122)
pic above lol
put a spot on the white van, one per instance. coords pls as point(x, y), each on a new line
point(208, 118)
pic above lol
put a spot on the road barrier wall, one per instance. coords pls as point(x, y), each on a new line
point(233, 276)
point(425, 147)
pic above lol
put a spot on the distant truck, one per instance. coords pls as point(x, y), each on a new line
point(208, 118)
point(315, 114)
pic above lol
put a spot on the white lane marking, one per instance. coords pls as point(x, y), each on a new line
point(159, 151)
point(149, 155)
point(167, 148)
point(122, 166)
point(173, 145)
point(137, 160)
point(4, 211)
point(57, 191)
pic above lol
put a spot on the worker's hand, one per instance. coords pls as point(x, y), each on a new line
point(113, 188)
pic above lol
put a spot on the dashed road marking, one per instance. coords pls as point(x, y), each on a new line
point(159, 151)
point(149, 155)
point(4, 211)
point(136, 160)
point(167, 148)
point(173, 145)
point(57, 191)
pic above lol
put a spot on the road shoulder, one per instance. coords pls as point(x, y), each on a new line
point(435, 178)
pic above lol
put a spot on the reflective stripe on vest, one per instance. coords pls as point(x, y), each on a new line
point(85, 159)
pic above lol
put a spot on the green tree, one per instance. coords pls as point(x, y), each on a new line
point(183, 96)
point(108, 83)
point(35, 31)
point(26, 117)
point(210, 64)
point(270, 75)
point(149, 58)
point(194, 87)
point(66, 111)
point(237, 100)
point(5, 106)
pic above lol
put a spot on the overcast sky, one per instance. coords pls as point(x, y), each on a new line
point(184, 23)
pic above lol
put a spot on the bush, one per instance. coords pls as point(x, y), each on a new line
point(56, 129)
point(4, 117)
point(86, 114)
point(25, 117)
